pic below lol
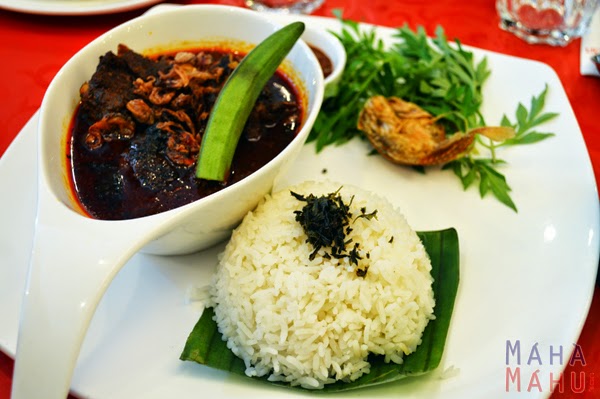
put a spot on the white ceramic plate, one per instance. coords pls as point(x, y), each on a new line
point(525, 277)
point(74, 7)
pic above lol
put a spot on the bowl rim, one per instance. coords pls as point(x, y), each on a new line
point(331, 45)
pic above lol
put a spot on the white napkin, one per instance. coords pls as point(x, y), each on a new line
point(590, 46)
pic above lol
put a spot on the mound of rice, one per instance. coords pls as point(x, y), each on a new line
point(311, 323)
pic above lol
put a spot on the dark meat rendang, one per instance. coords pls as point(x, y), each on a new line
point(136, 133)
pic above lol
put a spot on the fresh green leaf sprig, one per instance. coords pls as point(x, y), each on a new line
point(528, 120)
point(370, 69)
point(443, 79)
point(471, 169)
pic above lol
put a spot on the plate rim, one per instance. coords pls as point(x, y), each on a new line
point(73, 7)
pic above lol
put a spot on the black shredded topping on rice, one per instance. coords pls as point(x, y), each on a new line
point(326, 221)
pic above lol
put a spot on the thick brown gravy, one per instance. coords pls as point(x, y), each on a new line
point(324, 60)
point(135, 135)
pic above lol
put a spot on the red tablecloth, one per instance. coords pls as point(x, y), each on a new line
point(33, 48)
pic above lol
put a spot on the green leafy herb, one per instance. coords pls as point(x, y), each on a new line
point(443, 79)
point(205, 345)
point(528, 120)
point(471, 169)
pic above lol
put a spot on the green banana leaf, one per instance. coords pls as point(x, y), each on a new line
point(205, 346)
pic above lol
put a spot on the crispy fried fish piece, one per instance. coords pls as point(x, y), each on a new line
point(406, 134)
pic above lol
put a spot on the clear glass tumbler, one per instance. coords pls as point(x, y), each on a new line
point(285, 6)
point(554, 22)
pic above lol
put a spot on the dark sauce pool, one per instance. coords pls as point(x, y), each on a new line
point(324, 60)
point(133, 153)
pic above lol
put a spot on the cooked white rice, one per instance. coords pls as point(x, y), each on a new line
point(311, 323)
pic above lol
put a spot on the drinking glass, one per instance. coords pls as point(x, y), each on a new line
point(285, 6)
point(554, 22)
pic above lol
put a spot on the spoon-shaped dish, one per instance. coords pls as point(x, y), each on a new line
point(74, 257)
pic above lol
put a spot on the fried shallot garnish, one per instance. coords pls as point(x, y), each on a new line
point(141, 111)
point(143, 87)
point(180, 76)
point(182, 147)
point(159, 96)
point(406, 134)
point(113, 126)
point(178, 116)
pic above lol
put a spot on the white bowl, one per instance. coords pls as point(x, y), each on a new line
point(207, 220)
point(75, 257)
